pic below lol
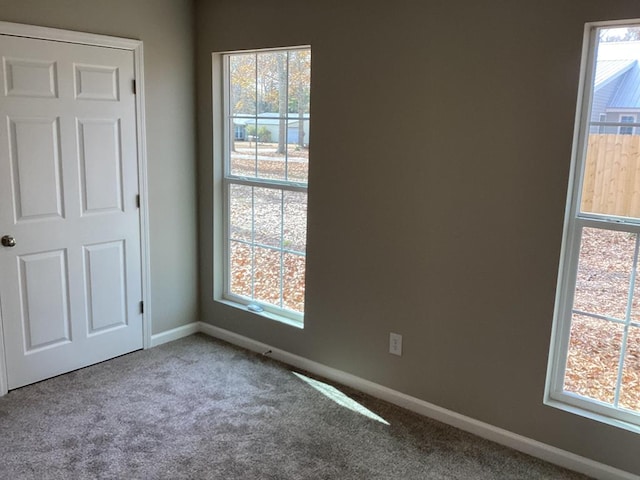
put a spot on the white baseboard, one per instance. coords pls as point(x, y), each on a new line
point(504, 437)
point(175, 334)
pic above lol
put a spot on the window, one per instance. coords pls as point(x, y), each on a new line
point(626, 119)
point(265, 178)
point(603, 118)
point(594, 366)
point(239, 132)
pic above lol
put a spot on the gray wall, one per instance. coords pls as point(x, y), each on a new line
point(448, 234)
point(167, 30)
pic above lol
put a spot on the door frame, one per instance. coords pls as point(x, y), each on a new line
point(135, 46)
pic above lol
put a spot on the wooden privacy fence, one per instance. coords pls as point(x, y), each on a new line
point(612, 175)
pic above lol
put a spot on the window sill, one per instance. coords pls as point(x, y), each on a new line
point(614, 422)
point(264, 314)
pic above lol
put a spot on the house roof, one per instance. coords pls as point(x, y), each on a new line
point(608, 70)
point(619, 62)
point(628, 93)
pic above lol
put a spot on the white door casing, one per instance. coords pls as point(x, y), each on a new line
point(72, 162)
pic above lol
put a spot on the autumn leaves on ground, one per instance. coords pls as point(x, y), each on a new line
point(595, 345)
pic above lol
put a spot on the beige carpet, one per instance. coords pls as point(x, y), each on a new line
point(198, 408)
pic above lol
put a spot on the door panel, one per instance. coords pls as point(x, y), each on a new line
point(45, 302)
point(97, 82)
point(30, 78)
point(100, 163)
point(70, 288)
point(35, 167)
point(105, 284)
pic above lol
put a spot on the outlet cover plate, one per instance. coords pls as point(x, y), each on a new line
point(395, 344)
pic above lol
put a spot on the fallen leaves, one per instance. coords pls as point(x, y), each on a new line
point(265, 162)
point(595, 358)
point(279, 278)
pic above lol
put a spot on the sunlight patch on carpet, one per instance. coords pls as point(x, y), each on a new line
point(340, 398)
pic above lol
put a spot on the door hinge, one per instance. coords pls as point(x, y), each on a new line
point(141, 307)
point(134, 87)
point(138, 201)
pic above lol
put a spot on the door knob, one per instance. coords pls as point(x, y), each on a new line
point(8, 241)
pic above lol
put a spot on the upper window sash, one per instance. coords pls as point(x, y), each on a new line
point(585, 124)
point(281, 123)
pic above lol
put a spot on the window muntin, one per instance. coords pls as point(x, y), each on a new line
point(267, 99)
point(594, 363)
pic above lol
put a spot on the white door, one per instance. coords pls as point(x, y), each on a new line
point(70, 288)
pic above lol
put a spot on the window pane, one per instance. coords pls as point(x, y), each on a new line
point(635, 301)
point(593, 358)
point(630, 392)
point(299, 82)
point(604, 272)
point(298, 155)
point(242, 84)
point(241, 269)
point(295, 221)
point(268, 216)
point(293, 289)
point(267, 273)
point(299, 115)
point(240, 212)
point(243, 145)
point(611, 183)
point(271, 154)
point(272, 84)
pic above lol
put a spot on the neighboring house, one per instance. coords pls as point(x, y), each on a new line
point(272, 123)
point(239, 129)
point(616, 94)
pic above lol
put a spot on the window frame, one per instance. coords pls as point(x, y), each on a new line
point(223, 180)
point(574, 222)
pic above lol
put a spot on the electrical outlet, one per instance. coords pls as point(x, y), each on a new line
point(395, 344)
